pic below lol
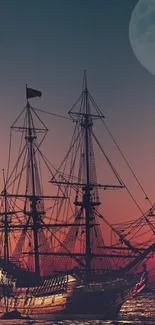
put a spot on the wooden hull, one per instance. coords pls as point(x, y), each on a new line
point(78, 301)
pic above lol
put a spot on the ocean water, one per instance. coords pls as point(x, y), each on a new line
point(140, 311)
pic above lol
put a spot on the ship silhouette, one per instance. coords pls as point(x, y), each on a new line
point(54, 261)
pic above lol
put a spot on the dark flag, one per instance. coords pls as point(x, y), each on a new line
point(31, 93)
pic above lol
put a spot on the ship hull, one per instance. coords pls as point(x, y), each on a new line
point(79, 301)
point(103, 309)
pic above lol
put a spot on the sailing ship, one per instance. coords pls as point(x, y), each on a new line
point(54, 262)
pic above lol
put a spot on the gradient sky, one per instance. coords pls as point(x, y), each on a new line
point(47, 44)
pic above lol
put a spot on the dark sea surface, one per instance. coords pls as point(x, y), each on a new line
point(140, 311)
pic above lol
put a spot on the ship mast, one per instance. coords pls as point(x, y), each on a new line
point(23, 214)
point(85, 185)
point(35, 217)
point(86, 197)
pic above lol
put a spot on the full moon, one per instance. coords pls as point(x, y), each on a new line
point(142, 33)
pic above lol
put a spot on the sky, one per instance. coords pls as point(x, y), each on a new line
point(47, 45)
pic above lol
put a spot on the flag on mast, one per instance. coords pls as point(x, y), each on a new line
point(31, 93)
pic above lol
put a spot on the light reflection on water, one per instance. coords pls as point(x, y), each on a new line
point(142, 308)
point(140, 311)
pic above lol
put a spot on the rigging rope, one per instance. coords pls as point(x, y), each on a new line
point(119, 149)
point(119, 179)
point(112, 137)
point(57, 115)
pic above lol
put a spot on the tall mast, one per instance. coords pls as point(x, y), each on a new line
point(30, 137)
point(87, 187)
point(86, 197)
